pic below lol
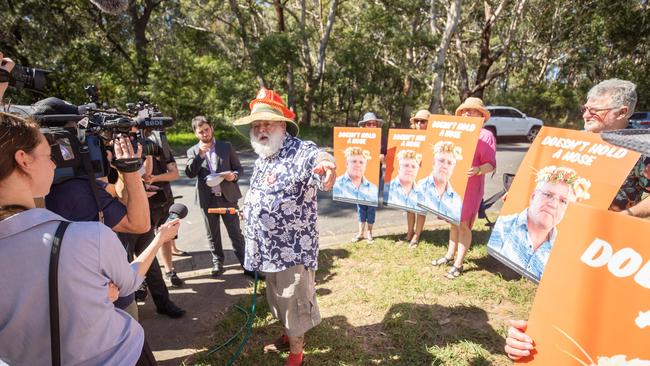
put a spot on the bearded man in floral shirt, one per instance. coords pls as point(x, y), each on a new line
point(280, 213)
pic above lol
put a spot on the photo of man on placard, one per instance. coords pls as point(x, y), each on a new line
point(438, 196)
point(525, 239)
point(402, 191)
point(353, 184)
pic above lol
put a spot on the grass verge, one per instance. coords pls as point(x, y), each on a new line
point(383, 304)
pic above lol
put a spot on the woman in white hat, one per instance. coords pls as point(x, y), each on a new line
point(460, 236)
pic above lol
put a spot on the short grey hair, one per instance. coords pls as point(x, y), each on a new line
point(621, 92)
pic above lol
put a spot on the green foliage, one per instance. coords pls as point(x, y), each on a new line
point(193, 59)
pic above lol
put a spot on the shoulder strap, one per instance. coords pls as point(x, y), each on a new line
point(54, 293)
point(88, 167)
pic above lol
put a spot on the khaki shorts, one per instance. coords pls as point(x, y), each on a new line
point(291, 295)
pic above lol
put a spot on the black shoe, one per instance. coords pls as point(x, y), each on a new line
point(170, 309)
point(174, 279)
point(217, 270)
point(141, 293)
point(251, 274)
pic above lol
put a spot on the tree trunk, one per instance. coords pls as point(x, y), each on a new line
point(279, 11)
point(313, 77)
point(407, 92)
point(453, 14)
point(139, 23)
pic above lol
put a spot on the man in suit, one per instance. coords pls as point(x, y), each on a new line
point(217, 167)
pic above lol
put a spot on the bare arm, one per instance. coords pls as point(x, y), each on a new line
point(170, 176)
point(641, 209)
point(137, 218)
point(166, 232)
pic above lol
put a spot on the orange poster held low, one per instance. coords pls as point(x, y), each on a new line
point(593, 304)
point(561, 167)
point(405, 167)
point(357, 151)
point(451, 143)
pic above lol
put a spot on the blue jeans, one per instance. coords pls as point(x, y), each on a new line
point(366, 213)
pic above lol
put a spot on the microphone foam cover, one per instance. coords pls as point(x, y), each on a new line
point(179, 209)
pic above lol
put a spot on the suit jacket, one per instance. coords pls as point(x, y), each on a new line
point(197, 166)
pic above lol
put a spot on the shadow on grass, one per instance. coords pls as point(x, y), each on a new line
point(326, 260)
point(492, 265)
point(409, 334)
point(440, 237)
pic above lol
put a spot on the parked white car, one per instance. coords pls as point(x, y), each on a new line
point(508, 121)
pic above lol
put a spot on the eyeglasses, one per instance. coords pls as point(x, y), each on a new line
point(552, 197)
point(593, 111)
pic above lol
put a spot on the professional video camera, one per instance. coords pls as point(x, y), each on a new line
point(23, 77)
point(80, 141)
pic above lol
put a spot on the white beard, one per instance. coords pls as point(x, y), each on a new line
point(271, 147)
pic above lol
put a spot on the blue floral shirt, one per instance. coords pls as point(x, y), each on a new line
point(447, 206)
point(394, 195)
point(367, 193)
point(510, 240)
point(280, 209)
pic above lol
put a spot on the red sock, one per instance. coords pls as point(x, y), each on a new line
point(295, 359)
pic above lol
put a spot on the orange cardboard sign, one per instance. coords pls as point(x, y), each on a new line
point(561, 166)
point(356, 151)
point(449, 151)
point(406, 165)
point(593, 303)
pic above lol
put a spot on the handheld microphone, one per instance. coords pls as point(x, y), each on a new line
point(177, 211)
point(223, 211)
point(113, 7)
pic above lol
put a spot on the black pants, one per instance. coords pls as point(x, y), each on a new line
point(146, 356)
point(213, 229)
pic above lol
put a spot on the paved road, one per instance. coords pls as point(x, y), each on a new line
point(337, 220)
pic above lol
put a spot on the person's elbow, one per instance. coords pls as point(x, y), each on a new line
point(189, 172)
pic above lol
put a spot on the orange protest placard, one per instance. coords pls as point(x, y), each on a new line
point(356, 151)
point(593, 302)
point(405, 166)
point(449, 151)
point(561, 166)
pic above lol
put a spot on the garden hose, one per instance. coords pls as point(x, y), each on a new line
point(248, 327)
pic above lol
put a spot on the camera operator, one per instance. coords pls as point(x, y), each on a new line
point(160, 170)
point(92, 330)
point(75, 200)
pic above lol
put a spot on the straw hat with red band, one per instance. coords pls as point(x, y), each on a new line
point(267, 106)
point(474, 103)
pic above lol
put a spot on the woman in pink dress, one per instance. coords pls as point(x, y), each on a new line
point(460, 236)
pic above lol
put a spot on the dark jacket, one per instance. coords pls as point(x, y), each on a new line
point(198, 167)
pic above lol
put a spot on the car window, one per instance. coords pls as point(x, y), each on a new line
point(513, 113)
point(498, 112)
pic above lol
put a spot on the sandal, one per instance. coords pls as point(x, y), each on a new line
point(413, 243)
point(454, 272)
point(357, 238)
point(442, 261)
point(182, 253)
point(370, 239)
